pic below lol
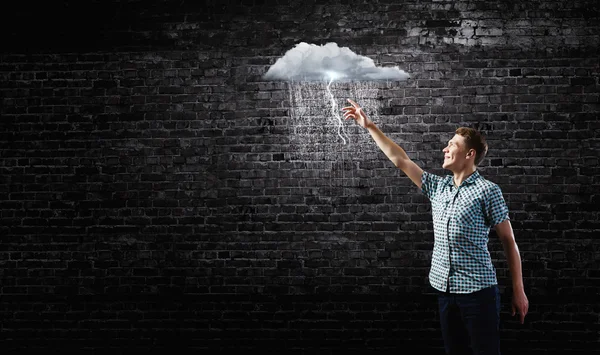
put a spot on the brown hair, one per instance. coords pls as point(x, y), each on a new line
point(474, 140)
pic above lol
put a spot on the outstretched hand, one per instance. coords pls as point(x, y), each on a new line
point(357, 113)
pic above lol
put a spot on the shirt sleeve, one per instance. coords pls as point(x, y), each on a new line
point(429, 184)
point(496, 210)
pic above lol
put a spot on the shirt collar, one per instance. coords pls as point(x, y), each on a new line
point(471, 179)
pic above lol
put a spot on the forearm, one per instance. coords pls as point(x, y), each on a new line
point(511, 250)
point(392, 150)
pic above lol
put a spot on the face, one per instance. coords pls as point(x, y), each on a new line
point(456, 155)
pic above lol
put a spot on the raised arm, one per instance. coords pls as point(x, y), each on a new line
point(392, 150)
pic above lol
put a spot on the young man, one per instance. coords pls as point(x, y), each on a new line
point(464, 208)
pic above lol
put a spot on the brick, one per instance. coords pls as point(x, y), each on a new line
point(151, 175)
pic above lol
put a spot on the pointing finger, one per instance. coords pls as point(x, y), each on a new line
point(353, 103)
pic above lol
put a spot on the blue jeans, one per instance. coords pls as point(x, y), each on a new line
point(471, 322)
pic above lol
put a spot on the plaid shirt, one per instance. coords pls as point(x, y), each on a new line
point(462, 218)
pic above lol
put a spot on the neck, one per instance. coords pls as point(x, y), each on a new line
point(463, 175)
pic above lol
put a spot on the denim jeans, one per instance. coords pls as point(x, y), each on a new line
point(470, 322)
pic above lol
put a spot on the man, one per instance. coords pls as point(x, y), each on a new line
point(464, 208)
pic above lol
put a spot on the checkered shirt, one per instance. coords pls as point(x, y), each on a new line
point(462, 218)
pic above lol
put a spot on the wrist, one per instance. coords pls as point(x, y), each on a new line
point(518, 288)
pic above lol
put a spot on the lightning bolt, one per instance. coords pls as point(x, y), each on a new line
point(334, 111)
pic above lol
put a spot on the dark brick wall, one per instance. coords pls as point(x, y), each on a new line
point(151, 195)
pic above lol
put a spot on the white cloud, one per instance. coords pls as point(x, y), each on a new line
point(311, 62)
